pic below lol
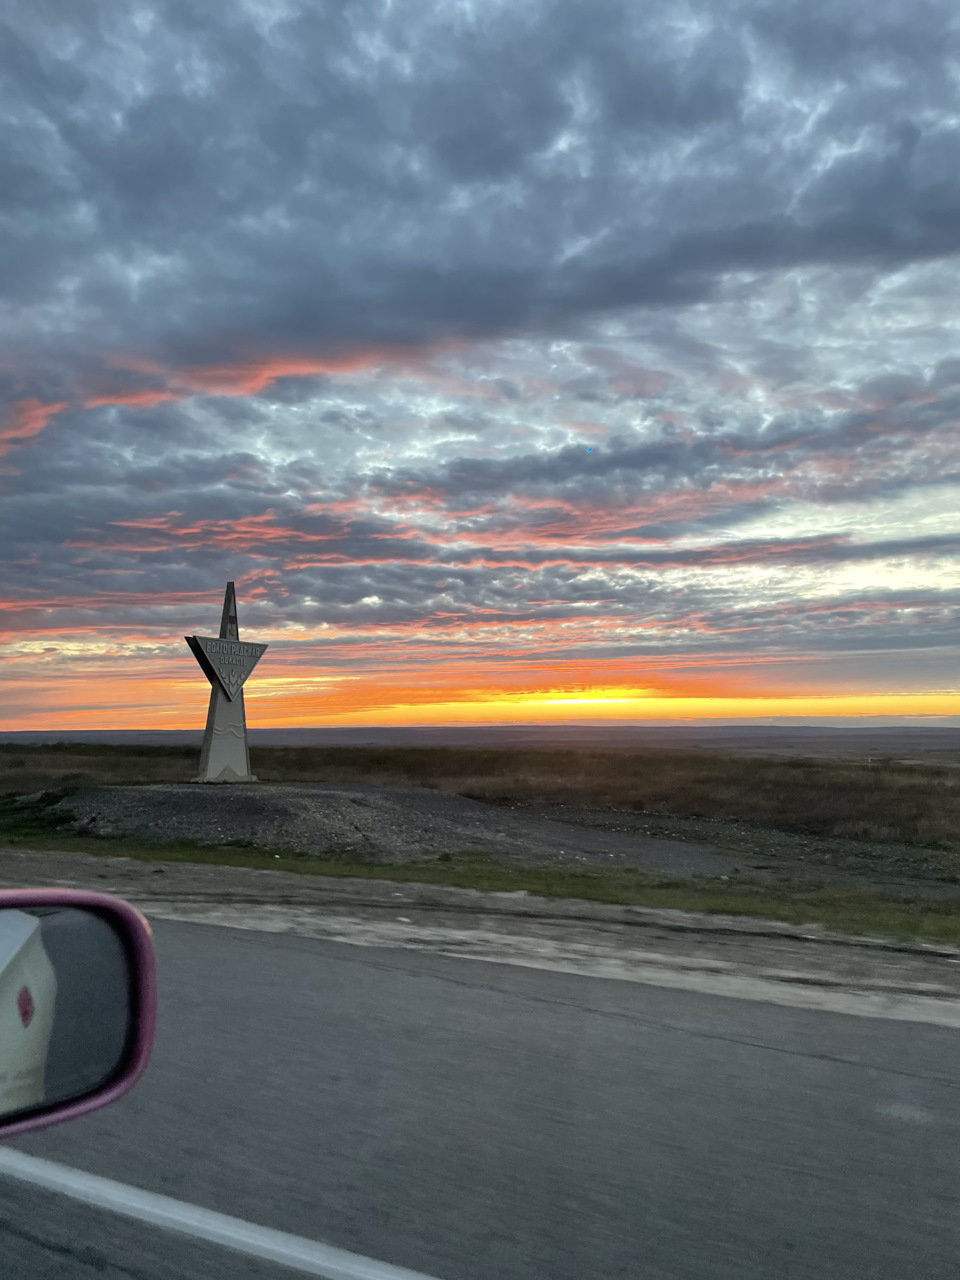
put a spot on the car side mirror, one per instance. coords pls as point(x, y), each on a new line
point(77, 1004)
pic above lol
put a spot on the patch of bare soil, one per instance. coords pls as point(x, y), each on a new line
point(376, 824)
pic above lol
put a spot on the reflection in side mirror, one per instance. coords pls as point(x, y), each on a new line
point(28, 994)
point(76, 1004)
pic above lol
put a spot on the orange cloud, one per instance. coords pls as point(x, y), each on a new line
point(135, 399)
point(28, 417)
point(245, 376)
point(113, 679)
point(245, 379)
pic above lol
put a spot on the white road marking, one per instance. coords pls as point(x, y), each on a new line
point(929, 1003)
point(308, 1256)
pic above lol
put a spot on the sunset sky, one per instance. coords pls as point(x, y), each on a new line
point(519, 361)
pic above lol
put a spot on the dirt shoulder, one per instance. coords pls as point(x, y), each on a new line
point(801, 965)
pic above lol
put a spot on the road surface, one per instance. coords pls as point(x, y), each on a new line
point(471, 1120)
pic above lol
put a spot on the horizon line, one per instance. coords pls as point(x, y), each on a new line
point(915, 721)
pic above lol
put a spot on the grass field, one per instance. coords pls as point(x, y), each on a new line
point(904, 804)
point(893, 804)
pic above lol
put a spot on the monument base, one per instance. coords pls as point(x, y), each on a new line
point(228, 775)
point(224, 757)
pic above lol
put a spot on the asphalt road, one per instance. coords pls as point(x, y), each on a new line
point(476, 1121)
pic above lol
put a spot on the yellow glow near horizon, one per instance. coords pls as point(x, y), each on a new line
point(544, 710)
point(344, 699)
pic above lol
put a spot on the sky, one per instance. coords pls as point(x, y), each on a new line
point(518, 361)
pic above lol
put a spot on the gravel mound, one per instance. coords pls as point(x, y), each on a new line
point(376, 824)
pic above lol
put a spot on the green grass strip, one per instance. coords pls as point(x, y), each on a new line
point(842, 909)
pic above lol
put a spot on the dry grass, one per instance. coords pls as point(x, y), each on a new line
point(889, 803)
point(48, 767)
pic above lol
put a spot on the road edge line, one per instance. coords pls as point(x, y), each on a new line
point(296, 1252)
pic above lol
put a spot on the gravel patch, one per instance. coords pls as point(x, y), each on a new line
point(382, 825)
point(376, 824)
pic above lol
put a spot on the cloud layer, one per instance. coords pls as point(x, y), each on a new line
point(594, 336)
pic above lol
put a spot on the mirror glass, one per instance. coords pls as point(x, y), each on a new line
point(65, 1005)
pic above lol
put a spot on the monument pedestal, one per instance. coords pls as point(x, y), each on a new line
point(225, 756)
point(226, 662)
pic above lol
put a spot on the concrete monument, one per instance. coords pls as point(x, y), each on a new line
point(226, 661)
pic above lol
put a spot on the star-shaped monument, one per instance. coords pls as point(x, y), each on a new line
point(226, 661)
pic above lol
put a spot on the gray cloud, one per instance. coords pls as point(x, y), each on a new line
point(212, 186)
point(419, 317)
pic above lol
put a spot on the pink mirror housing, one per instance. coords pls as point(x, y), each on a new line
point(78, 1004)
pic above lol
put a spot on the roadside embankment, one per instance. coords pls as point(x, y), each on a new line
point(804, 966)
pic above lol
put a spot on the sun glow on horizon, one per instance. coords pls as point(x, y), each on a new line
point(146, 704)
